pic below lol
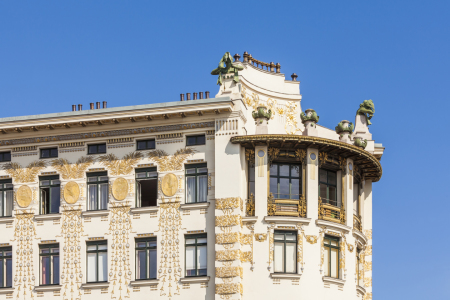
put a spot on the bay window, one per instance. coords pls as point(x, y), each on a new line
point(285, 252)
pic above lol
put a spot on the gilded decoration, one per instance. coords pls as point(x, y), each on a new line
point(227, 238)
point(71, 192)
point(368, 250)
point(273, 154)
point(291, 125)
point(27, 174)
point(368, 234)
point(246, 256)
point(227, 255)
point(368, 282)
point(122, 166)
point(227, 203)
point(24, 196)
point(169, 184)
point(120, 188)
point(250, 156)
point(312, 239)
point(119, 230)
point(260, 237)
point(250, 206)
point(368, 266)
point(67, 170)
point(368, 296)
point(228, 220)
point(224, 272)
point(228, 288)
point(246, 239)
point(168, 162)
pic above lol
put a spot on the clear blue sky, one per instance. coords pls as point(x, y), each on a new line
point(57, 53)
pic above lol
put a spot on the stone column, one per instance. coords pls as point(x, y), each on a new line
point(312, 183)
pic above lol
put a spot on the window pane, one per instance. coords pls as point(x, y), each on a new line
point(141, 244)
point(323, 191)
point(251, 173)
point(92, 247)
point(284, 188)
point(284, 170)
point(56, 269)
point(201, 240)
point(332, 178)
point(326, 262)
point(190, 241)
point(332, 195)
point(290, 237)
point(101, 148)
point(55, 250)
point(92, 267)
point(92, 149)
point(9, 272)
point(190, 171)
point(279, 237)
point(323, 175)
point(92, 179)
point(55, 181)
point(103, 178)
point(102, 266)
point(141, 264)
point(7, 156)
point(54, 152)
point(55, 199)
point(190, 189)
point(333, 243)
point(278, 261)
point(152, 263)
point(152, 174)
point(45, 270)
point(334, 263)
point(190, 140)
point(190, 261)
point(1, 273)
point(44, 251)
point(141, 145)
point(295, 170)
point(141, 175)
point(92, 196)
point(2, 211)
point(45, 153)
point(45, 182)
point(103, 195)
point(151, 144)
point(202, 188)
point(201, 140)
point(274, 186)
point(295, 188)
point(102, 247)
point(291, 257)
point(201, 260)
point(273, 170)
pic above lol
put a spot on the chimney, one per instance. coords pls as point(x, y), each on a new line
point(92, 105)
point(188, 96)
point(74, 107)
point(206, 95)
point(98, 105)
point(200, 95)
point(104, 104)
point(195, 96)
point(181, 97)
point(80, 107)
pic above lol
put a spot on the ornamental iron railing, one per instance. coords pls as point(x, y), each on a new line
point(357, 223)
point(330, 212)
point(286, 207)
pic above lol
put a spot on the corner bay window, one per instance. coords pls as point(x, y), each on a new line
point(285, 252)
point(49, 260)
point(6, 198)
point(328, 187)
point(97, 261)
point(146, 187)
point(6, 267)
point(97, 190)
point(146, 262)
point(196, 183)
point(196, 255)
point(285, 181)
point(50, 194)
point(331, 256)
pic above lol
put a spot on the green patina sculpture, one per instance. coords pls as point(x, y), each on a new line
point(312, 117)
point(262, 113)
point(340, 127)
point(360, 143)
point(226, 66)
point(366, 108)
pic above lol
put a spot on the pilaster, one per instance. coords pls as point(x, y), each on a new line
point(261, 181)
point(312, 183)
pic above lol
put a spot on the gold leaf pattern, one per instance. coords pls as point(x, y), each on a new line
point(224, 272)
point(228, 220)
point(122, 166)
point(168, 162)
point(72, 171)
point(27, 174)
point(227, 238)
point(226, 255)
point(227, 203)
point(228, 288)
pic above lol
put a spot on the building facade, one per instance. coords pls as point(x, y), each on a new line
point(242, 195)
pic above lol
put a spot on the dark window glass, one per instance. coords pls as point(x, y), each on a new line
point(251, 179)
point(285, 252)
point(49, 261)
point(285, 181)
point(5, 156)
point(196, 260)
point(196, 183)
point(145, 145)
point(97, 190)
point(97, 261)
point(327, 187)
point(146, 262)
point(146, 187)
point(6, 198)
point(50, 194)
point(49, 153)
point(97, 149)
point(6, 267)
point(331, 256)
point(195, 140)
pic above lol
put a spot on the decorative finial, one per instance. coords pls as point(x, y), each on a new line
point(236, 57)
point(359, 142)
point(310, 115)
point(344, 126)
point(294, 77)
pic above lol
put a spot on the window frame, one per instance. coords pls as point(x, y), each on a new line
point(325, 245)
point(196, 136)
point(196, 175)
point(2, 156)
point(96, 243)
point(147, 249)
point(284, 233)
point(251, 169)
point(290, 177)
point(146, 144)
point(3, 191)
point(49, 153)
point(96, 145)
point(3, 260)
point(97, 183)
point(196, 237)
point(50, 179)
point(51, 255)
point(147, 177)
point(327, 198)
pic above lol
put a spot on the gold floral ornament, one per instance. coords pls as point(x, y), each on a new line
point(260, 237)
point(71, 192)
point(312, 239)
point(27, 174)
point(72, 171)
point(24, 196)
point(291, 125)
point(168, 162)
point(120, 189)
point(122, 166)
point(169, 184)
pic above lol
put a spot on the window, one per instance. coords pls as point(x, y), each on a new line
point(285, 181)
point(251, 179)
point(97, 190)
point(145, 145)
point(327, 187)
point(97, 149)
point(49, 153)
point(97, 261)
point(6, 198)
point(195, 255)
point(331, 256)
point(5, 156)
point(146, 261)
point(6, 267)
point(194, 140)
point(285, 252)
point(196, 183)
point(146, 187)
point(356, 197)
point(50, 194)
point(49, 258)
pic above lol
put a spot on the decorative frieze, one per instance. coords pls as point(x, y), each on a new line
point(227, 255)
point(71, 145)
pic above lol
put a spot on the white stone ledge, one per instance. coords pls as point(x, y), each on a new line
point(144, 210)
point(47, 217)
point(285, 276)
point(198, 205)
point(332, 280)
point(249, 219)
point(202, 279)
point(5, 220)
point(95, 285)
point(335, 226)
point(286, 220)
point(95, 213)
point(360, 237)
point(47, 288)
point(7, 290)
point(360, 289)
point(144, 282)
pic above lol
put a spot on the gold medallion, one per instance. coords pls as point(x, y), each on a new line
point(169, 185)
point(71, 192)
point(120, 188)
point(24, 196)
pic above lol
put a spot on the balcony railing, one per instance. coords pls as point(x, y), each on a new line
point(250, 206)
point(330, 212)
point(286, 207)
point(357, 223)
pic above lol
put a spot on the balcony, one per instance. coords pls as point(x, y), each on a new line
point(329, 211)
point(357, 223)
point(286, 207)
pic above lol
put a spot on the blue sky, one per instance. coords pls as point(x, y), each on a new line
point(57, 53)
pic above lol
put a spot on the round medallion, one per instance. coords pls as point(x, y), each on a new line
point(71, 192)
point(313, 156)
point(261, 153)
point(169, 184)
point(120, 188)
point(24, 196)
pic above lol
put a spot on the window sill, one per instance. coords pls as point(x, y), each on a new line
point(5, 220)
point(286, 220)
point(7, 290)
point(95, 285)
point(47, 288)
point(143, 210)
point(360, 289)
point(144, 282)
point(249, 219)
point(47, 217)
point(332, 225)
point(197, 205)
point(95, 213)
point(285, 275)
point(332, 280)
point(200, 279)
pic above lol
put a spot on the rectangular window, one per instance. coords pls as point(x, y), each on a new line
point(6, 198)
point(49, 260)
point(146, 261)
point(6, 267)
point(50, 194)
point(146, 187)
point(251, 179)
point(97, 149)
point(285, 181)
point(195, 140)
point(285, 252)
point(145, 145)
point(196, 255)
point(49, 153)
point(196, 183)
point(5, 156)
point(97, 261)
point(356, 197)
point(97, 190)
point(331, 256)
point(328, 187)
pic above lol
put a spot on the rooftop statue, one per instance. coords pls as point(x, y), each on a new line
point(226, 66)
point(366, 108)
